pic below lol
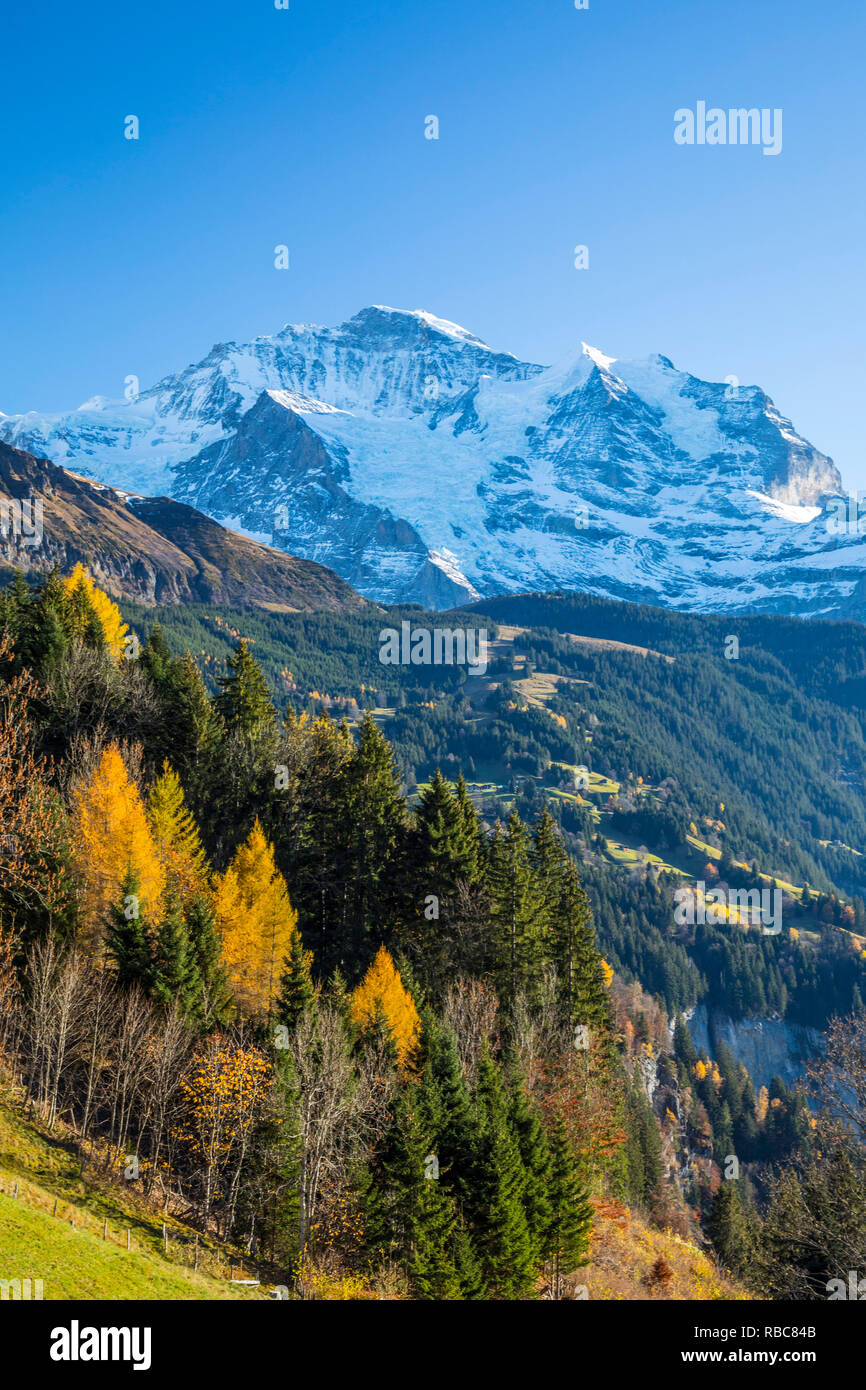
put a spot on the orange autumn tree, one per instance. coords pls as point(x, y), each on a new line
point(80, 587)
point(382, 995)
point(223, 1095)
point(175, 834)
point(256, 922)
point(110, 835)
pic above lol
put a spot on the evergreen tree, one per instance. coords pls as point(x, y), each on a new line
point(517, 912)
point(571, 1221)
point(684, 1049)
point(443, 848)
point(244, 700)
point(373, 830)
point(297, 991)
point(156, 658)
point(499, 1226)
point(215, 999)
point(409, 1216)
point(727, 1227)
point(449, 1110)
point(49, 633)
point(536, 1157)
point(175, 969)
point(127, 939)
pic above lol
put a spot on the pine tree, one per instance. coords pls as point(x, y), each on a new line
point(498, 1220)
point(517, 912)
point(569, 937)
point(727, 1227)
point(536, 1157)
point(244, 700)
point(571, 1220)
point(175, 969)
point(156, 658)
point(444, 842)
point(447, 1105)
point(373, 833)
point(127, 939)
point(297, 991)
point(442, 854)
point(215, 999)
point(468, 1265)
point(48, 637)
point(409, 1216)
point(684, 1049)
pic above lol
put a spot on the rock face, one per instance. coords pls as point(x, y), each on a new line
point(423, 466)
point(150, 550)
point(767, 1047)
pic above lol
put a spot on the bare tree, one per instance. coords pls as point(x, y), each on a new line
point(330, 1106)
point(471, 1011)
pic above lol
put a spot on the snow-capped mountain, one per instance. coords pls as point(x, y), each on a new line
point(422, 465)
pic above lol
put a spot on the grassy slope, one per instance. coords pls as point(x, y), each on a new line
point(75, 1264)
point(624, 1252)
point(67, 1250)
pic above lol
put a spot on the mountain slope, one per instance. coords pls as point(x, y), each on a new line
point(424, 466)
point(154, 550)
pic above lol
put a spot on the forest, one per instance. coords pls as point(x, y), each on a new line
point(341, 1018)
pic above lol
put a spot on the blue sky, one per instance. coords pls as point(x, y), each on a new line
point(306, 127)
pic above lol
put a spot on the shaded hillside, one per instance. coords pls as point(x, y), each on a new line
point(155, 550)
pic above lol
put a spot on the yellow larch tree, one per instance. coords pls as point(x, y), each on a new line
point(256, 920)
point(111, 834)
point(80, 583)
point(175, 834)
point(382, 994)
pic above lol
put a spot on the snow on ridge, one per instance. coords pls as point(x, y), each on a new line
point(447, 562)
point(451, 330)
point(599, 358)
point(786, 511)
point(304, 405)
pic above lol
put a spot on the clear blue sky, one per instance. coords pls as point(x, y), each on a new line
point(306, 127)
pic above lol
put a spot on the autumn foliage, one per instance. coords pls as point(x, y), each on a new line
point(256, 920)
point(111, 833)
point(382, 995)
point(85, 597)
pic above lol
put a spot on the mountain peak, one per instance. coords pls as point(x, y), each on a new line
point(416, 461)
point(427, 322)
point(599, 358)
